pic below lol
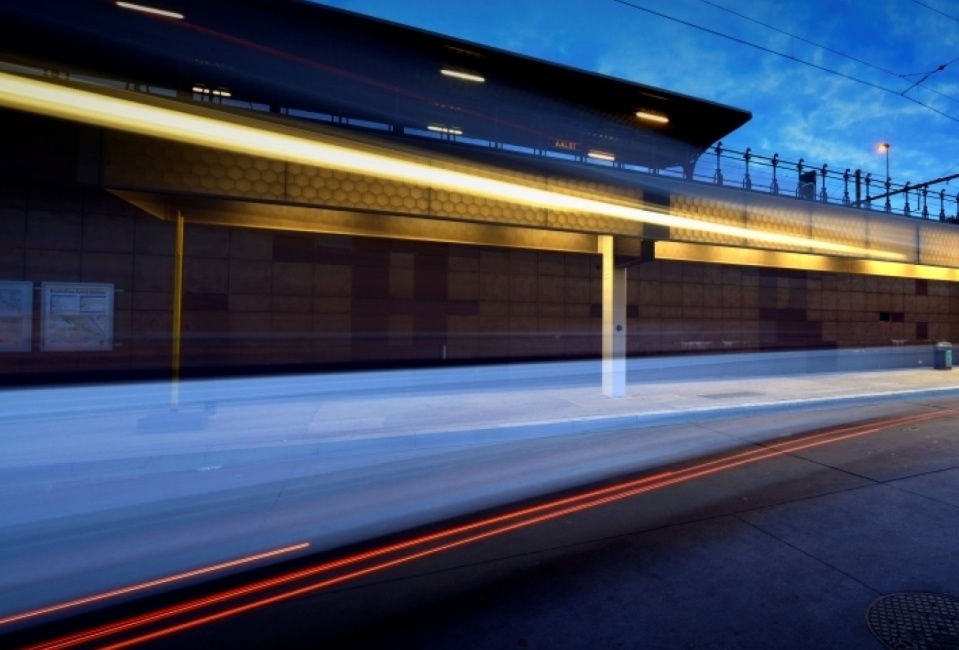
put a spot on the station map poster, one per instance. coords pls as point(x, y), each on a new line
point(76, 316)
point(16, 316)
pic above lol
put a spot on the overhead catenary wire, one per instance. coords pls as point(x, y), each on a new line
point(938, 11)
point(798, 38)
point(826, 48)
point(926, 75)
point(790, 57)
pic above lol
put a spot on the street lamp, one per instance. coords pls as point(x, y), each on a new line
point(885, 146)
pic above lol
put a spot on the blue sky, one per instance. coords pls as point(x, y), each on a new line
point(798, 111)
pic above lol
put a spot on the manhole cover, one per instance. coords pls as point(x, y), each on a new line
point(915, 621)
point(744, 393)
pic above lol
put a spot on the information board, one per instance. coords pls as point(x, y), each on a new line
point(16, 316)
point(76, 316)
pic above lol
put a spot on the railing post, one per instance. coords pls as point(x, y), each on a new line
point(718, 176)
point(845, 189)
point(775, 186)
point(906, 209)
point(868, 190)
point(822, 194)
point(747, 182)
point(888, 202)
point(942, 205)
point(925, 201)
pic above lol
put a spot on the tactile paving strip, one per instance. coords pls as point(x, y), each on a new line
point(915, 621)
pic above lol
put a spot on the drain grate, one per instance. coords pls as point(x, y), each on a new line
point(915, 621)
point(744, 393)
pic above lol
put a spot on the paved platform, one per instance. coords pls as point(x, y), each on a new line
point(267, 462)
point(791, 554)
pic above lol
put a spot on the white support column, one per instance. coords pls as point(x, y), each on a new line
point(614, 321)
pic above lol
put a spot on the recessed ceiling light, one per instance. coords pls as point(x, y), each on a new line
point(151, 10)
point(444, 129)
point(602, 155)
point(466, 76)
point(652, 117)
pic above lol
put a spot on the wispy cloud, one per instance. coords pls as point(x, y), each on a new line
point(798, 111)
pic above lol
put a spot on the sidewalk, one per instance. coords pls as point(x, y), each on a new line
point(277, 460)
point(406, 409)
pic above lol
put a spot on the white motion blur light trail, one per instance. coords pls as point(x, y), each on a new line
point(110, 111)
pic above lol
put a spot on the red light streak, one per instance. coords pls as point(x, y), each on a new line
point(152, 583)
point(496, 525)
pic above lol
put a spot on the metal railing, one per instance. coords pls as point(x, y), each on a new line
point(847, 187)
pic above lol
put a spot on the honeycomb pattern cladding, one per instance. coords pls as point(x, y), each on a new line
point(329, 187)
point(477, 208)
point(939, 245)
point(588, 221)
point(711, 211)
point(782, 221)
point(839, 228)
point(140, 162)
point(137, 162)
point(893, 235)
point(593, 223)
point(146, 163)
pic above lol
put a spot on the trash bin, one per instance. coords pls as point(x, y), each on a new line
point(943, 356)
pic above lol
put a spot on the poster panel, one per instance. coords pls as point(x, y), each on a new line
point(16, 316)
point(76, 316)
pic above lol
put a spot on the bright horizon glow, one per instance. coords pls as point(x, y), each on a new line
point(151, 10)
point(466, 76)
point(652, 117)
point(91, 107)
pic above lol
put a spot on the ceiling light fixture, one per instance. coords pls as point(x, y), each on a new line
point(444, 129)
point(602, 155)
point(652, 117)
point(151, 10)
point(466, 76)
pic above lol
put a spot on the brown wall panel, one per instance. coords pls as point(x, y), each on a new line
point(256, 298)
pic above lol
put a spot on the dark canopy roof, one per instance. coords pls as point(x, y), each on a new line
point(291, 54)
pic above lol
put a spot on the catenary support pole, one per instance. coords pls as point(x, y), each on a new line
point(177, 312)
point(614, 321)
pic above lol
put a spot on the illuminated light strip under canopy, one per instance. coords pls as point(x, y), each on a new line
point(115, 112)
point(151, 10)
point(652, 117)
point(705, 253)
point(466, 76)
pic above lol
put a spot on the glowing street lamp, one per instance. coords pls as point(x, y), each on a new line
point(885, 146)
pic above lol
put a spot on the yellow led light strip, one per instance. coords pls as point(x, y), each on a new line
point(117, 113)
